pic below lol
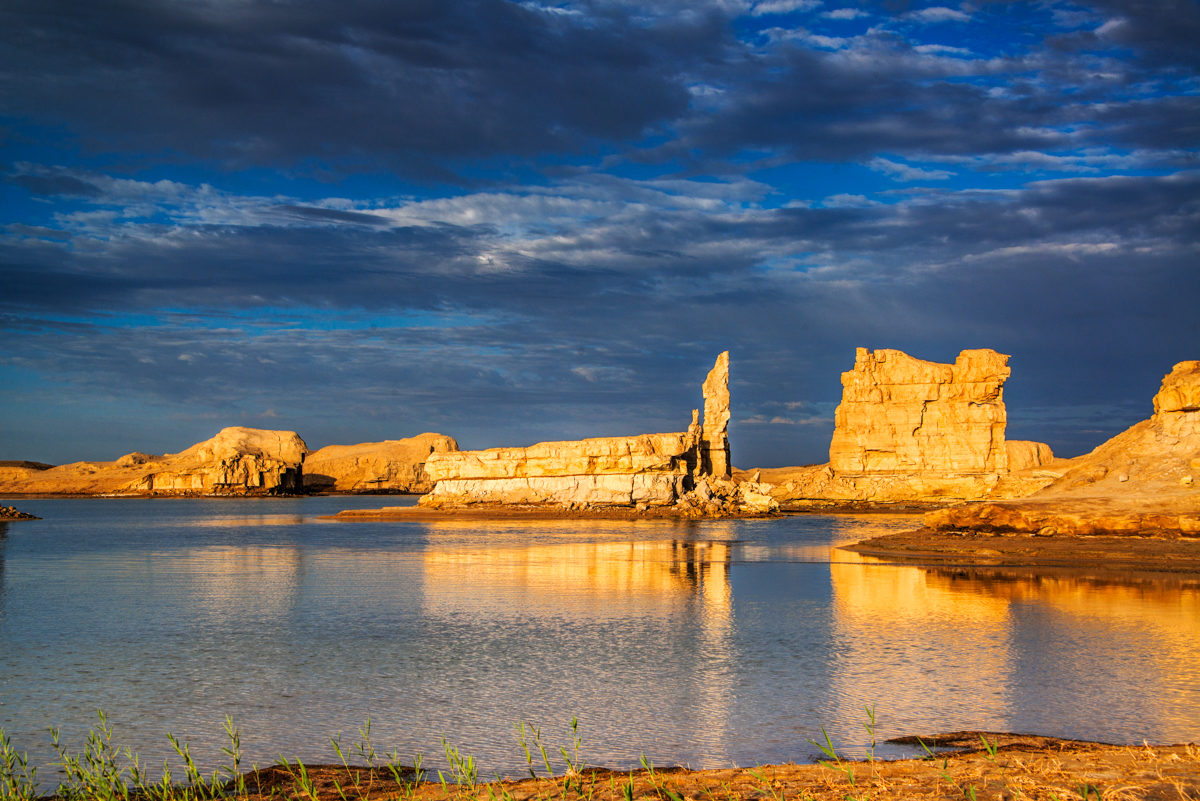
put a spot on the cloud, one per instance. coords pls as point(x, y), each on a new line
point(903, 172)
point(783, 6)
point(846, 13)
point(939, 14)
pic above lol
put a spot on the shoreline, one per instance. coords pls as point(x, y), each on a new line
point(1128, 553)
point(977, 765)
point(483, 513)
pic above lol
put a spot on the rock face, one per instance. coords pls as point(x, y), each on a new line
point(688, 469)
point(903, 415)
point(1145, 480)
point(715, 445)
point(395, 465)
point(909, 430)
point(235, 461)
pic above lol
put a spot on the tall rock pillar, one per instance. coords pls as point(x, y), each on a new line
point(715, 445)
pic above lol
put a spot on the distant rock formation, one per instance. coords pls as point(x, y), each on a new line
point(689, 470)
point(395, 465)
point(909, 430)
point(236, 461)
point(1145, 480)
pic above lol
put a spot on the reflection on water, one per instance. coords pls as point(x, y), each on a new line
point(704, 643)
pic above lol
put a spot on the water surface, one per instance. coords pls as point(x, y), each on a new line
point(701, 643)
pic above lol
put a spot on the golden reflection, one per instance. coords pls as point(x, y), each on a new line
point(682, 581)
point(978, 637)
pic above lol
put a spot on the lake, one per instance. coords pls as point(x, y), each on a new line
point(704, 643)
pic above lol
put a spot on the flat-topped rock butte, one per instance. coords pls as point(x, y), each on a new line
point(912, 431)
point(1141, 483)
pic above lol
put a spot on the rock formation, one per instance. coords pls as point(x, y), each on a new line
point(715, 452)
point(689, 470)
point(1145, 480)
point(395, 465)
point(909, 430)
point(903, 415)
point(235, 461)
point(13, 513)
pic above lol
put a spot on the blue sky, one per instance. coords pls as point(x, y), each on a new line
point(511, 222)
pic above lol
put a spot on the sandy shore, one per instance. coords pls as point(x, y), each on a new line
point(421, 514)
point(1021, 766)
point(979, 548)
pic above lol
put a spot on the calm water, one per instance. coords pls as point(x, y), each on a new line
point(708, 644)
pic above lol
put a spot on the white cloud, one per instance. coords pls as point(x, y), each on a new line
point(783, 6)
point(939, 14)
point(844, 201)
point(845, 13)
point(937, 48)
point(898, 171)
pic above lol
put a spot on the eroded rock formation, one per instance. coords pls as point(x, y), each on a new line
point(395, 465)
point(687, 469)
point(236, 461)
point(715, 433)
point(909, 430)
point(1145, 480)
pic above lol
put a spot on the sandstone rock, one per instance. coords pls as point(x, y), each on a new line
point(237, 460)
point(389, 466)
point(716, 458)
point(688, 471)
point(661, 453)
point(1023, 455)
point(903, 415)
point(912, 431)
point(1132, 484)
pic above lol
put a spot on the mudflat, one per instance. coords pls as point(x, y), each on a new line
point(1180, 555)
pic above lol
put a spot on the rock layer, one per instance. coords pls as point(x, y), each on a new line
point(236, 461)
point(389, 466)
point(1145, 480)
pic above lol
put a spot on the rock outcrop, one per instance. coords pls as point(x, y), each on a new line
point(392, 466)
point(236, 461)
point(689, 470)
point(13, 513)
point(1145, 480)
point(912, 431)
point(715, 443)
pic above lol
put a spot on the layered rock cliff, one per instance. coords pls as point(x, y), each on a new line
point(236, 461)
point(395, 465)
point(1145, 480)
point(687, 469)
point(912, 431)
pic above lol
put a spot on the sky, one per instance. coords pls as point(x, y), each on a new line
point(512, 222)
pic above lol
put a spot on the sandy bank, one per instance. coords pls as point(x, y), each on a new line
point(421, 514)
point(1021, 766)
point(976, 548)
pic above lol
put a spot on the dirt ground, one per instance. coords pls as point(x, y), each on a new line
point(977, 548)
point(1018, 767)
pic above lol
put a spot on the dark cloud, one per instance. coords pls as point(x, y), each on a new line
point(278, 83)
point(423, 87)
